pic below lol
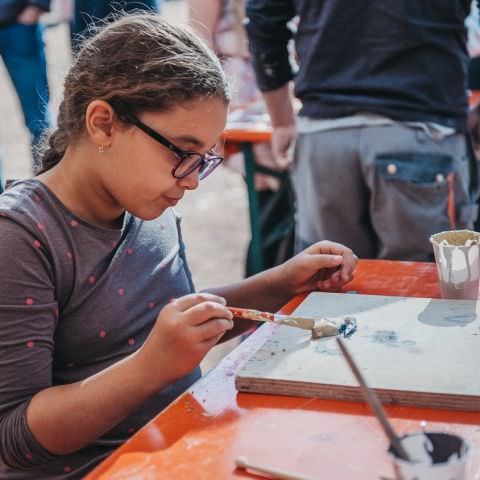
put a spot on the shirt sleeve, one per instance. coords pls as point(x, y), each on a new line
point(268, 35)
point(28, 316)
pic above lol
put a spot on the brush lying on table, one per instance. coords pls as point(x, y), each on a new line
point(324, 327)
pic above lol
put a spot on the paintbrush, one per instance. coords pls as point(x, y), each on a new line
point(270, 472)
point(324, 327)
point(375, 404)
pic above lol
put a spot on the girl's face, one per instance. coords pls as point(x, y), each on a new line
point(138, 173)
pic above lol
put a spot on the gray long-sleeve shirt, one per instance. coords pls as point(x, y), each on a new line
point(75, 298)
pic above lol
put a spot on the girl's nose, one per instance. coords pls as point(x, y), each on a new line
point(191, 181)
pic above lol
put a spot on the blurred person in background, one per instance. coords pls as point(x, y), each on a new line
point(23, 53)
point(381, 159)
point(86, 12)
point(221, 24)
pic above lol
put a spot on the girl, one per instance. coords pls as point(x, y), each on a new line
point(100, 325)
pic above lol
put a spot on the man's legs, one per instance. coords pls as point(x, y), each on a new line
point(382, 190)
point(332, 195)
point(22, 50)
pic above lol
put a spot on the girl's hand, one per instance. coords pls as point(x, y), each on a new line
point(322, 266)
point(185, 330)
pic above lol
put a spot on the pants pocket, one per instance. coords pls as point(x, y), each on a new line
point(410, 202)
point(427, 169)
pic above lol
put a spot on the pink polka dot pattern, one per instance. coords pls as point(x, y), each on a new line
point(29, 455)
point(131, 430)
point(102, 334)
point(67, 469)
point(73, 223)
point(55, 312)
point(70, 365)
point(69, 255)
point(3, 214)
point(30, 344)
point(131, 341)
point(91, 279)
point(37, 198)
point(162, 227)
point(29, 301)
point(40, 226)
point(129, 251)
point(37, 244)
point(114, 243)
point(151, 305)
point(121, 292)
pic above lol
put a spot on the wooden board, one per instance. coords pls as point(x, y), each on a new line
point(413, 351)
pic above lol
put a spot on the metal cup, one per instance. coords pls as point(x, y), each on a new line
point(434, 456)
point(457, 255)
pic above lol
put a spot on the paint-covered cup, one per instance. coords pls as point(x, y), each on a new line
point(433, 456)
point(457, 254)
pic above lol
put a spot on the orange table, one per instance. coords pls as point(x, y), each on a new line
point(199, 435)
point(474, 98)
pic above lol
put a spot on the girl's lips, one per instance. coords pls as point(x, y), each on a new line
point(172, 200)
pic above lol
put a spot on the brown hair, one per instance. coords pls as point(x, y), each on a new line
point(137, 63)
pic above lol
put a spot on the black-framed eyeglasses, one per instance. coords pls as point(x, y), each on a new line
point(188, 161)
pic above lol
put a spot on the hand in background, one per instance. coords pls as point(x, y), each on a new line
point(283, 145)
point(185, 330)
point(322, 266)
point(29, 15)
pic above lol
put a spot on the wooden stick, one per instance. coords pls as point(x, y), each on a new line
point(372, 399)
point(256, 315)
point(271, 472)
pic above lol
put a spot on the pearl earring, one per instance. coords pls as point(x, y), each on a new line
point(101, 149)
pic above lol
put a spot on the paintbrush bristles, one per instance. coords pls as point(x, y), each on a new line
point(299, 322)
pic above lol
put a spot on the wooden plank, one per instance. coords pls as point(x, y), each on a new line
point(413, 351)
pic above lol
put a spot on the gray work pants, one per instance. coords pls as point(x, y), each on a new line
point(381, 190)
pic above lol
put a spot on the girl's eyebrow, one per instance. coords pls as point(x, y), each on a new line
point(189, 140)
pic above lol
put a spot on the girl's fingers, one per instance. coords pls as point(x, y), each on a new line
point(336, 276)
point(212, 329)
point(189, 301)
point(205, 311)
point(326, 247)
point(211, 342)
point(349, 265)
point(324, 261)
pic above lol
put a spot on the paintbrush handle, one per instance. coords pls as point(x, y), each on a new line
point(258, 316)
point(372, 399)
point(251, 314)
point(272, 472)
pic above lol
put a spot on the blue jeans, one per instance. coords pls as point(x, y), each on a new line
point(22, 50)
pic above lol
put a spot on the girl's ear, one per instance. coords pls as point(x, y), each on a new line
point(99, 120)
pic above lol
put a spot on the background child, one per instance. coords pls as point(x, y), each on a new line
point(101, 328)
